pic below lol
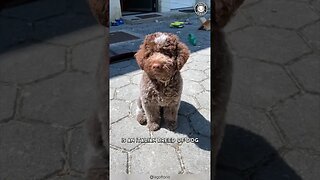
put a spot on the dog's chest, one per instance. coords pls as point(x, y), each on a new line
point(164, 95)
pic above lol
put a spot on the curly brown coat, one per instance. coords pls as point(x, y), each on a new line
point(161, 56)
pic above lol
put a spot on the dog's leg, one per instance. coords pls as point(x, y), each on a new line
point(152, 112)
point(141, 118)
point(170, 115)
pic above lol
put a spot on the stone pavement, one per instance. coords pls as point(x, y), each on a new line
point(49, 52)
point(161, 158)
point(273, 116)
point(194, 122)
point(47, 66)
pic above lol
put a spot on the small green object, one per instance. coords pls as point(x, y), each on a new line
point(177, 24)
point(192, 39)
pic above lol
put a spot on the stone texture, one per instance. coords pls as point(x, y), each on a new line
point(191, 88)
point(194, 75)
point(77, 149)
point(259, 84)
point(118, 110)
point(83, 28)
point(277, 13)
point(68, 177)
point(64, 100)
point(155, 159)
point(304, 164)
point(119, 81)
point(127, 128)
point(263, 43)
point(242, 149)
point(197, 163)
point(7, 101)
point(204, 99)
point(128, 93)
point(312, 35)
point(86, 58)
point(303, 114)
point(239, 21)
point(307, 70)
point(136, 78)
point(31, 63)
point(118, 161)
point(29, 151)
point(206, 84)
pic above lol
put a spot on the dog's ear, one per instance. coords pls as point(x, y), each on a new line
point(140, 55)
point(183, 54)
point(145, 49)
point(224, 10)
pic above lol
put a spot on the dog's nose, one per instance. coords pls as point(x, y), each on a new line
point(156, 66)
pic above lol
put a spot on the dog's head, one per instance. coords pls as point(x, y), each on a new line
point(161, 55)
point(224, 10)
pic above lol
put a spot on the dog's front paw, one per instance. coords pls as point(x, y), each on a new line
point(153, 126)
point(141, 118)
point(172, 125)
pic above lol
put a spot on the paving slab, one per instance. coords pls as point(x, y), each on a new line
point(249, 139)
point(64, 100)
point(305, 71)
point(30, 151)
point(259, 84)
point(277, 13)
point(78, 147)
point(7, 101)
point(264, 42)
point(312, 35)
point(118, 162)
point(304, 164)
point(31, 63)
point(155, 159)
point(298, 118)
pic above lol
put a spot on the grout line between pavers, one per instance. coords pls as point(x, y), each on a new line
point(294, 79)
point(280, 133)
point(180, 159)
point(67, 151)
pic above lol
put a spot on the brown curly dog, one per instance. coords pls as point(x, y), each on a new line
point(161, 56)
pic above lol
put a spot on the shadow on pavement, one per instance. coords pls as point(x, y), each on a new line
point(199, 123)
point(241, 156)
point(36, 21)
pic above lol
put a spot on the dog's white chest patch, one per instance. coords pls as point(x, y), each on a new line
point(161, 39)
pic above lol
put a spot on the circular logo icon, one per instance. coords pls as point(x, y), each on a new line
point(201, 8)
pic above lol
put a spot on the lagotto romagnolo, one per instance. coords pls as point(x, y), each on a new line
point(161, 57)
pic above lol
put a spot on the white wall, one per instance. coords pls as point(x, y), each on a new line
point(115, 10)
point(167, 5)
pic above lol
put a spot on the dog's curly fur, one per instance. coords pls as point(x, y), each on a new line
point(98, 166)
point(161, 56)
point(222, 70)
